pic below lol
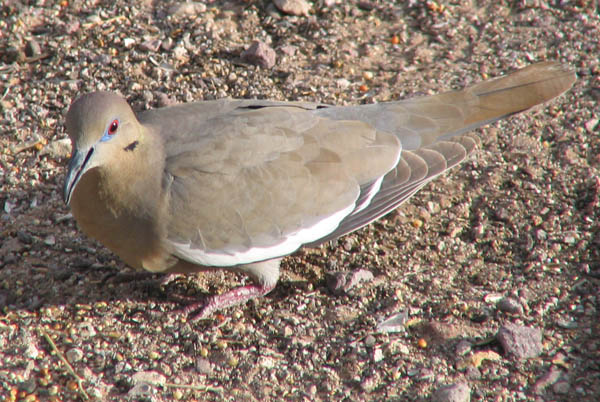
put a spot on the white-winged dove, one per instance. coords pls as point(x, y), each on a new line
point(239, 184)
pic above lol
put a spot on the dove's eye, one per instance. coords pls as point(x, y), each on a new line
point(114, 126)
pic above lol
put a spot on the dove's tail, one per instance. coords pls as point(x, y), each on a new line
point(433, 130)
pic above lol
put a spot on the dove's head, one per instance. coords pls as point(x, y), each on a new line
point(104, 132)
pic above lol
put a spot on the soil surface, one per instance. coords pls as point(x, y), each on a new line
point(510, 239)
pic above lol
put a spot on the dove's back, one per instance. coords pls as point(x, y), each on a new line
point(431, 130)
point(273, 176)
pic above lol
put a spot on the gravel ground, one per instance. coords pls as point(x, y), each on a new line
point(492, 272)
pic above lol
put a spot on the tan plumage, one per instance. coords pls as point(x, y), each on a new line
point(238, 184)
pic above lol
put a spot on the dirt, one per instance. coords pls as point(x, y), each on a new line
point(518, 220)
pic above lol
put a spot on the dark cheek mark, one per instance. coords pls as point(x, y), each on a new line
point(131, 146)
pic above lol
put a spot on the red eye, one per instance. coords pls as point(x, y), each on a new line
point(112, 129)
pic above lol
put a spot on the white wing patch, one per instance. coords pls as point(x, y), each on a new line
point(291, 243)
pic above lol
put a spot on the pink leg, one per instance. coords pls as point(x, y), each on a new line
point(234, 297)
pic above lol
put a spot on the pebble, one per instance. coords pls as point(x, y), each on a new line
point(342, 281)
point(86, 330)
point(187, 9)
point(50, 240)
point(203, 366)
point(28, 386)
point(145, 383)
point(377, 355)
point(289, 50)
point(519, 341)
point(492, 298)
point(567, 324)
point(33, 49)
point(368, 384)
point(421, 374)
point(459, 392)
point(128, 43)
point(74, 355)
point(510, 305)
point(342, 83)
point(546, 380)
point(561, 387)
point(260, 54)
point(266, 362)
point(395, 323)
point(473, 373)
point(151, 45)
point(590, 125)
point(463, 347)
point(141, 390)
point(292, 7)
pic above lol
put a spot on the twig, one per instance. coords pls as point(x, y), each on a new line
point(66, 362)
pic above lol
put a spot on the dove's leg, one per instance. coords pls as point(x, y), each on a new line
point(265, 275)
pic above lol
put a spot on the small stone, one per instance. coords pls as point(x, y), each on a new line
point(341, 282)
point(50, 240)
point(128, 42)
point(266, 362)
point(289, 50)
point(424, 374)
point(141, 390)
point(151, 45)
point(288, 331)
point(180, 53)
point(368, 384)
point(370, 341)
point(463, 347)
point(72, 26)
point(94, 19)
point(519, 341)
point(203, 366)
point(395, 323)
point(12, 245)
point(28, 386)
point(473, 373)
point(551, 377)
point(163, 100)
point(148, 377)
point(459, 392)
point(342, 83)
point(260, 54)
point(492, 298)
point(510, 305)
point(377, 355)
point(86, 330)
point(561, 387)
point(33, 49)
point(74, 355)
point(187, 9)
point(292, 7)
point(590, 125)
point(167, 44)
point(567, 324)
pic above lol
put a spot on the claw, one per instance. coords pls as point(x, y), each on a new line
point(200, 310)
